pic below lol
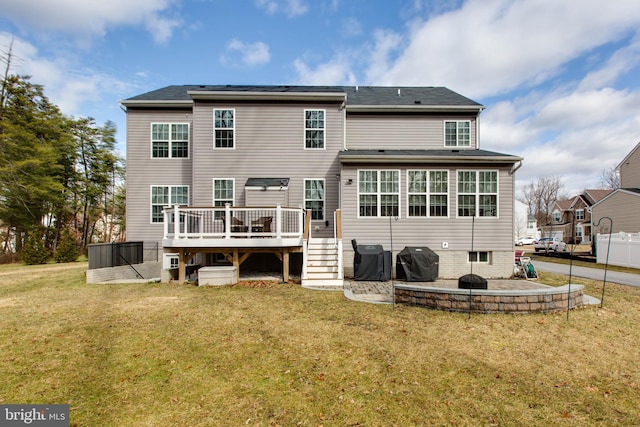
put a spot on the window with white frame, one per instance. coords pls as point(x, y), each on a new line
point(457, 133)
point(555, 216)
point(480, 256)
point(378, 193)
point(314, 198)
point(579, 232)
point(427, 193)
point(167, 195)
point(222, 193)
point(172, 261)
point(579, 214)
point(478, 193)
point(169, 140)
point(223, 128)
point(314, 127)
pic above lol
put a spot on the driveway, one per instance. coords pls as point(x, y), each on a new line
point(589, 273)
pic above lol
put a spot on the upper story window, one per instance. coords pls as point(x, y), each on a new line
point(478, 193)
point(579, 214)
point(223, 128)
point(314, 198)
point(457, 133)
point(428, 193)
point(555, 216)
point(167, 195)
point(314, 129)
point(169, 140)
point(378, 193)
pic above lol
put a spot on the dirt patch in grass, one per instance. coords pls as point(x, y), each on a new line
point(264, 354)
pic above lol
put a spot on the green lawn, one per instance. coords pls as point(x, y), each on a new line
point(276, 354)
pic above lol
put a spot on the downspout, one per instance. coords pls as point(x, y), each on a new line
point(478, 128)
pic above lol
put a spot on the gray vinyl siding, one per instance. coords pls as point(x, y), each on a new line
point(401, 131)
point(143, 171)
point(268, 143)
point(630, 171)
point(491, 234)
point(623, 208)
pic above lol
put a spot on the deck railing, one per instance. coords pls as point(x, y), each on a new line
point(229, 222)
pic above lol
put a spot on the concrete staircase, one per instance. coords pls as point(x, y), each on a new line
point(322, 265)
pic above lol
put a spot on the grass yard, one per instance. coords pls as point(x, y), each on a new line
point(276, 354)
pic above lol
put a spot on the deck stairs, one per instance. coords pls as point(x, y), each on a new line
point(323, 265)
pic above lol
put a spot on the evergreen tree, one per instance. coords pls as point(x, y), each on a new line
point(67, 249)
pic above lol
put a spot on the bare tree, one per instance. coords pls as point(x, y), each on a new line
point(540, 195)
point(610, 179)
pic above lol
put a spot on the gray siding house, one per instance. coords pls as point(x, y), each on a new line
point(623, 204)
point(223, 172)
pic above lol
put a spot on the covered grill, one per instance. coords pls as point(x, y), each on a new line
point(371, 262)
point(415, 264)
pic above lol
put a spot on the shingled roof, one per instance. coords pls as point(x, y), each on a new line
point(369, 96)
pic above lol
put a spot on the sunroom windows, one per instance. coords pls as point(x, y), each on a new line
point(378, 193)
point(427, 193)
point(478, 193)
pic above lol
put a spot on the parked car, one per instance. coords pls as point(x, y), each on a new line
point(525, 241)
point(550, 244)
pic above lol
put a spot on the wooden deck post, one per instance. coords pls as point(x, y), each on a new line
point(285, 265)
point(182, 267)
point(236, 263)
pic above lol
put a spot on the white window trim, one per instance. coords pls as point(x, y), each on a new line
point(428, 193)
point(235, 140)
point(166, 264)
point(488, 261)
point(378, 193)
point(556, 216)
point(171, 187)
point(170, 141)
point(457, 122)
point(477, 194)
point(213, 190)
point(583, 215)
point(304, 130)
point(324, 200)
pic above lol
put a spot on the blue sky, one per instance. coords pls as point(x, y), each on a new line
point(560, 79)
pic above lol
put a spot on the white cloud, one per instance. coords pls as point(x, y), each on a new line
point(335, 72)
point(291, 8)
point(489, 47)
point(251, 54)
point(65, 85)
point(91, 18)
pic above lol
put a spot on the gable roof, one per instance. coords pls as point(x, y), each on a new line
point(631, 191)
point(594, 196)
point(564, 205)
point(356, 98)
point(637, 147)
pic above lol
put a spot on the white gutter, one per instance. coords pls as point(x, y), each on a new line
point(157, 103)
point(426, 158)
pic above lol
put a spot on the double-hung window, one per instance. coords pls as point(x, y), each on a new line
point(222, 193)
point(169, 140)
point(457, 133)
point(428, 193)
point(478, 193)
point(314, 129)
point(314, 198)
point(579, 214)
point(223, 128)
point(378, 193)
point(167, 195)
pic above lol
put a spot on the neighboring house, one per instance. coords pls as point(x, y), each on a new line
point(621, 205)
point(524, 224)
point(300, 169)
point(572, 219)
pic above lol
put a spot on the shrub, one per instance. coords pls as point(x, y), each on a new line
point(34, 251)
point(67, 249)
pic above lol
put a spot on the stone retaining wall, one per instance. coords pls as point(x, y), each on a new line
point(491, 301)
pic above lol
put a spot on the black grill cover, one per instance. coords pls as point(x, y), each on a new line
point(472, 281)
point(417, 265)
point(371, 262)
